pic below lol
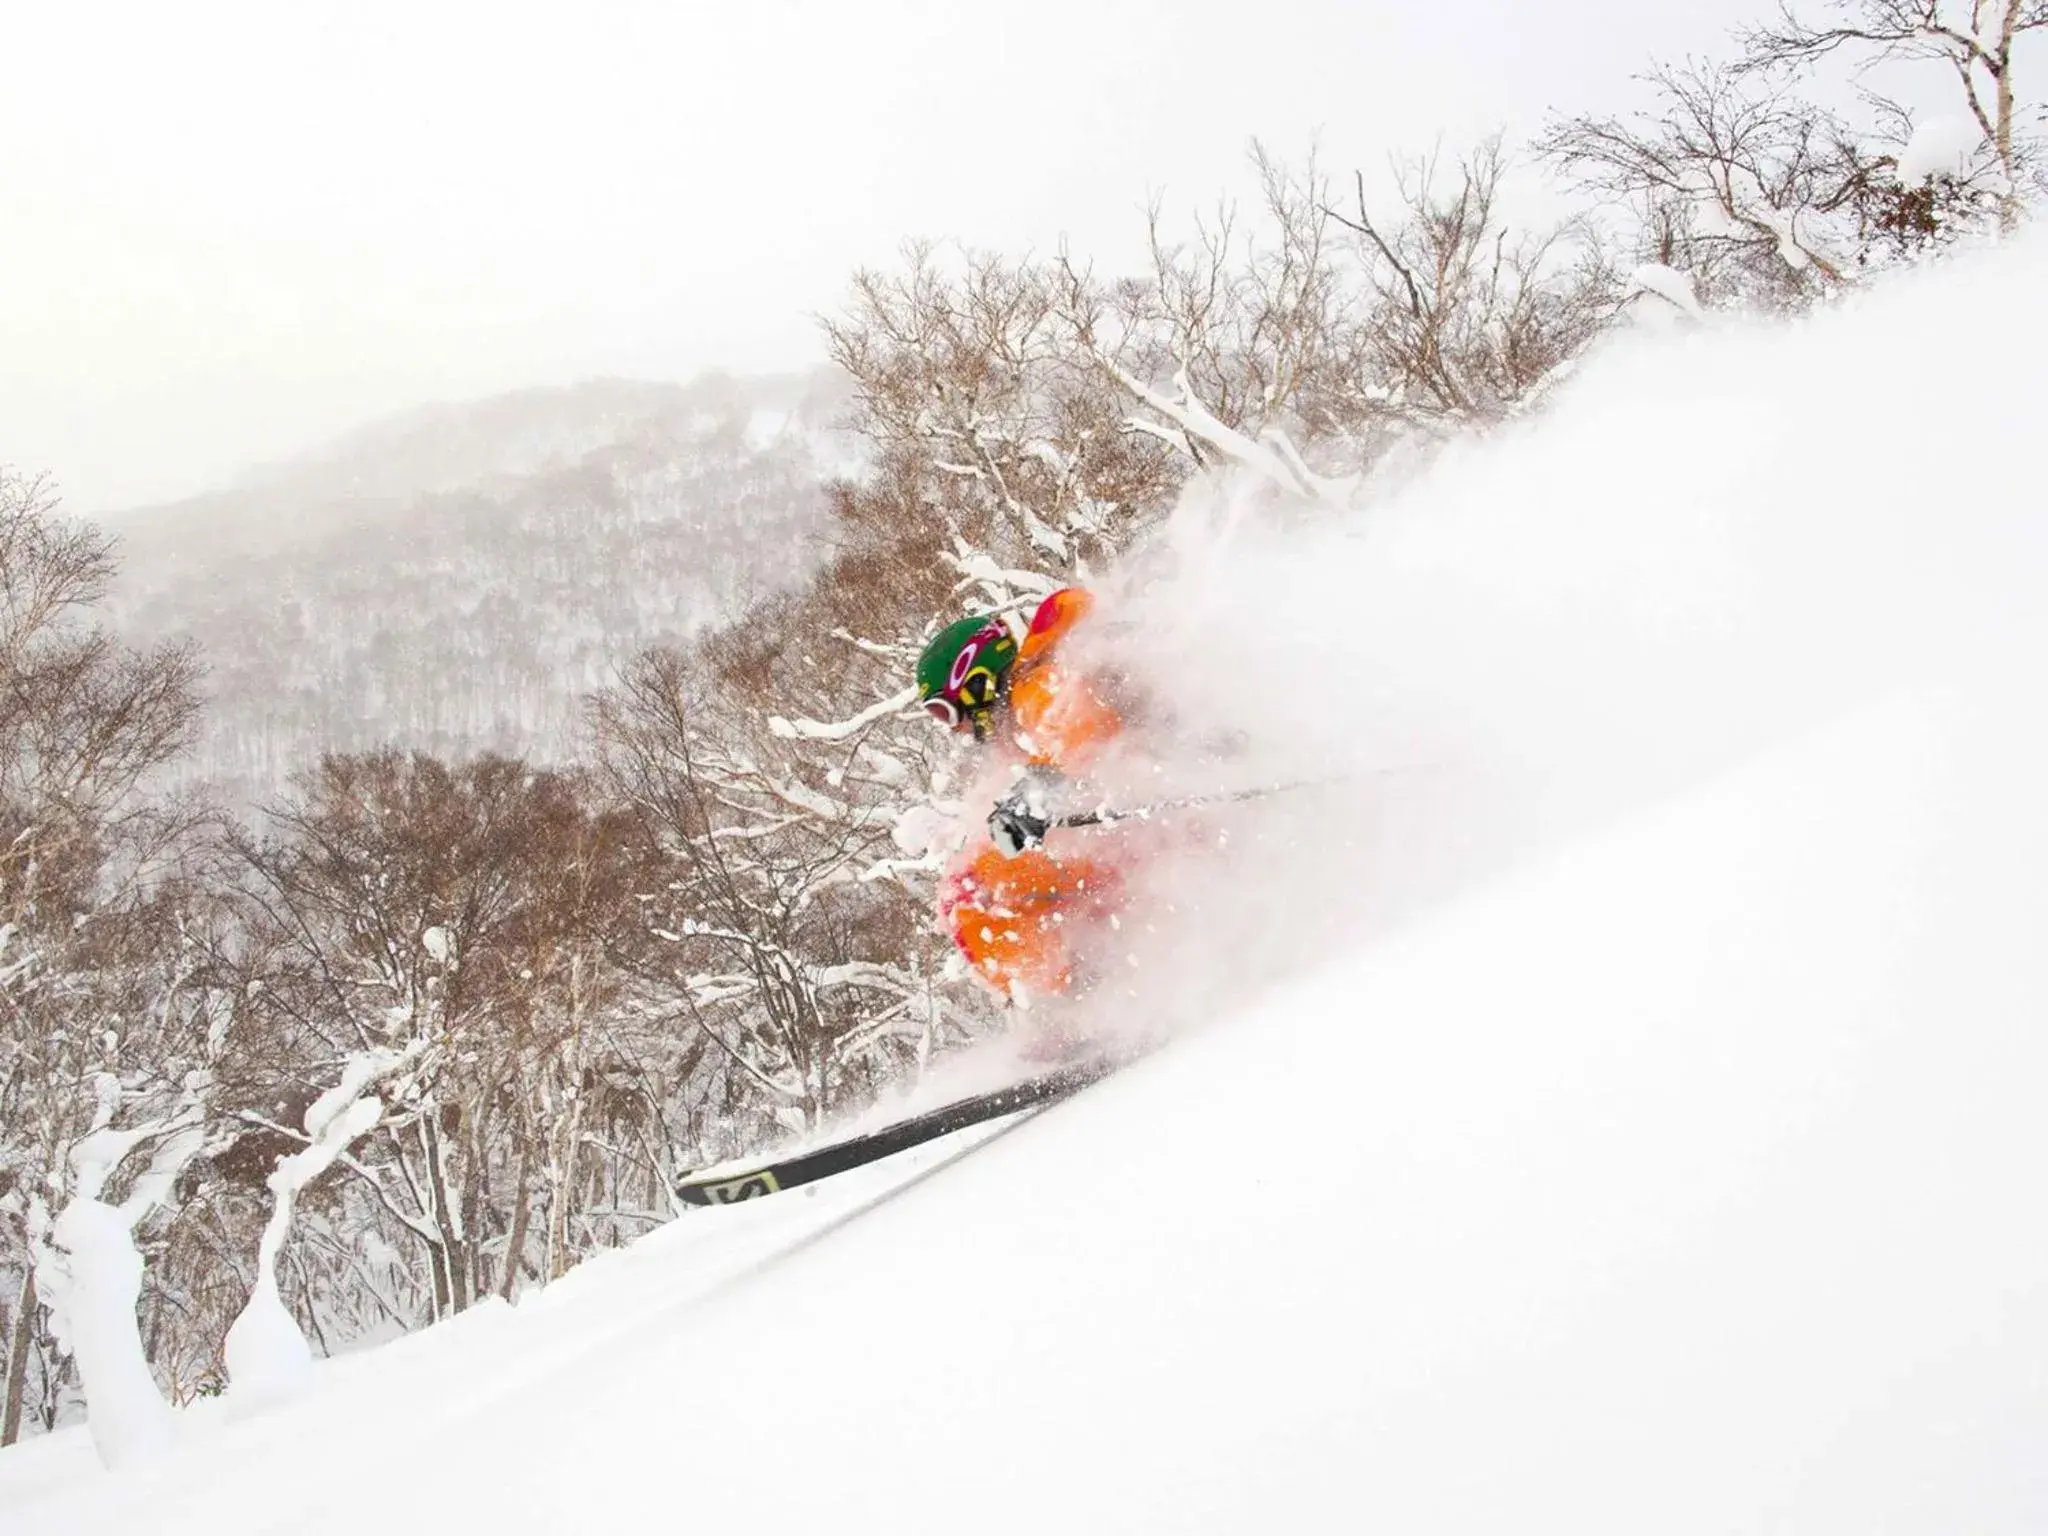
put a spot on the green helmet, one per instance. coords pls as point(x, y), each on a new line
point(960, 675)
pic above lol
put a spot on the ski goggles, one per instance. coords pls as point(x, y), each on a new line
point(965, 704)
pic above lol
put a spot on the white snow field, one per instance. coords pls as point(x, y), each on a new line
point(1619, 1108)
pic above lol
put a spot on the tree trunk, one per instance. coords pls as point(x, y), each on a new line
point(562, 1159)
point(17, 1359)
point(473, 1207)
point(437, 1270)
point(566, 1134)
point(515, 1245)
point(453, 1257)
point(2008, 205)
point(563, 1196)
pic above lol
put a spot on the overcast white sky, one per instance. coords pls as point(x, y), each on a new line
point(232, 229)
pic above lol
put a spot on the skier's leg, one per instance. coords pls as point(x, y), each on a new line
point(1014, 917)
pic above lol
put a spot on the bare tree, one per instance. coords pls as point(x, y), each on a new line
point(1762, 197)
point(1035, 418)
point(1249, 313)
point(1468, 320)
point(1308, 345)
point(419, 909)
point(106, 1029)
point(1240, 343)
point(1975, 39)
point(807, 978)
point(993, 426)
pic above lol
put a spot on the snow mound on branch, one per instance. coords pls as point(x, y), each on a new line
point(1667, 283)
point(1940, 146)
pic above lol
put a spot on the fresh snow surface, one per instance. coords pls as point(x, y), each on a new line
point(1614, 1108)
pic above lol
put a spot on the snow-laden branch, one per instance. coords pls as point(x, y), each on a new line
point(872, 648)
point(89, 1269)
point(267, 1357)
point(999, 584)
point(840, 730)
point(896, 869)
point(1284, 469)
point(1672, 286)
point(859, 973)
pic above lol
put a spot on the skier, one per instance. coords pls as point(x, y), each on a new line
point(1020, 907)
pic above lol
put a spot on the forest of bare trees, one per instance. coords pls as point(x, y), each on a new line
point(530, 992)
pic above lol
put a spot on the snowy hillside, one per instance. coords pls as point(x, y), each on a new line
point(458, 577)
point(1613, 1107)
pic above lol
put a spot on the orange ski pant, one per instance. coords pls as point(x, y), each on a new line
point(1018, 919)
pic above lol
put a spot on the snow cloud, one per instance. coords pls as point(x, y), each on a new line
point(1712, 537)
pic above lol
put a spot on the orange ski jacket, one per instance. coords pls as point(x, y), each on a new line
point(1059, 717)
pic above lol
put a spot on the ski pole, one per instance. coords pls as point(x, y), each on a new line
point(1105, 817)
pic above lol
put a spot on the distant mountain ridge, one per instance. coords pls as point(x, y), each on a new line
point(458, 576)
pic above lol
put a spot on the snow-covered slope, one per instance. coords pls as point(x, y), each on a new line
point(1616, 1111)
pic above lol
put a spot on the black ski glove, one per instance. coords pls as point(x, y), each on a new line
point(1021, 818)
point(1014, 827)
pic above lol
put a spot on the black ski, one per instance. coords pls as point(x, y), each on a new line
point(821, 1162)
